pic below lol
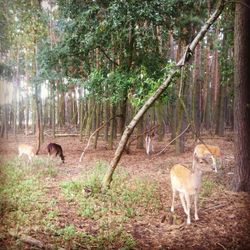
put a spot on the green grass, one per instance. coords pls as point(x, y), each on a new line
point(22, 193)
point(24, 204)
point(126, 199)
point(209, 188)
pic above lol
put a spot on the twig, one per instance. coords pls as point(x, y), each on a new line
point(174, 139)
point(32, 241)
point(98, 129)
point(217, 243)
point(214, 207)
point(66, 135)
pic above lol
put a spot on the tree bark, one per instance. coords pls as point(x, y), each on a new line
point(139, 144)
point(197, 82)
point(242, 97)
point(166, 83)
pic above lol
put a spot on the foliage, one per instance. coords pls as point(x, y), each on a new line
point(21, 191)
point(5, 71)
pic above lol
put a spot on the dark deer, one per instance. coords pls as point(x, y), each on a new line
point(56, 149)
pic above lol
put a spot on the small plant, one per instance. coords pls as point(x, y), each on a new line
point(208, 186)
point(69, 232)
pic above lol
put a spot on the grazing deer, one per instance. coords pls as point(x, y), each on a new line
point(56, 149)
point(205, 151)
point(24, 149)
point(188, 182)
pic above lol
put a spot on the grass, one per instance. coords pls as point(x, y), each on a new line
point(25, 205)
point(22, 193)
point(128, 198)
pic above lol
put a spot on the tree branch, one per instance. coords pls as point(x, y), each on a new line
point(166, 83)
point(164, 149)
point(106, 55)
point(98, 129)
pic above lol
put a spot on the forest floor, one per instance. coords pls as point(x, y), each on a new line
point(224, 216)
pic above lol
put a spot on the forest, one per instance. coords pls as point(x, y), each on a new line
point(109, 107)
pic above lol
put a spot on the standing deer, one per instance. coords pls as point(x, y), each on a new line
point(24, 149)
point(56, 149)
point(149, 144)
point(188, 182)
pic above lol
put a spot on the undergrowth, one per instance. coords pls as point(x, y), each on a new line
point(126, 199)
point(26, 208)
point(22, 193)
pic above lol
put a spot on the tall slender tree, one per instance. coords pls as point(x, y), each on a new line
point(242, 97)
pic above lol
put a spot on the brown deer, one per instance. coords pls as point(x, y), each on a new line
point(56, 149)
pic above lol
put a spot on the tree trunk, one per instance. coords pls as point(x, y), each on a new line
point(129, 129)
point(159, 109)
point(196, 107)
point(215, 87)
point(39, 123)
point(220, 121)
point(27, 115)
point(97, 115)
point(53, 108)
point(139, 144)
point(242, 97)
point(123, 112)
point(207, 91)
point(33, 115)
point(106, 118)
point(112, 126)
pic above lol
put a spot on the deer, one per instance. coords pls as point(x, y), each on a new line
point(205, 151)
point(148, 144)
point(24, 149)
point(56, 149)
point(188, 183)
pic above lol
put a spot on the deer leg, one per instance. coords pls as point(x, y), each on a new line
point(183, 203)
point(188, 208)
point(173, 197)
point(196, 206)
point(214, 164)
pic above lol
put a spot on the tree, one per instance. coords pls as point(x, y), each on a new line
point(166, 83)
point(242, 97)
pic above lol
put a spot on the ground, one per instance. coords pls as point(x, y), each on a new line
point(224, 217)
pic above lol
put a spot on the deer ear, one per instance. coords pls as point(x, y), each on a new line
point(196, 158)
point(205, 159)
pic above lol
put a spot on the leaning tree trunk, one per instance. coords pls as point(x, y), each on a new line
point(242, 97)
point(129, 129)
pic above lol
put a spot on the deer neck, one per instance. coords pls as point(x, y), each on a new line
point(196, 178)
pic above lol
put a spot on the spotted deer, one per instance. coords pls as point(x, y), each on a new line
point(208, 151)
point(188, 182)
point(24, 149)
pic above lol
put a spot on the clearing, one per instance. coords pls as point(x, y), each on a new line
point(70, 214)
